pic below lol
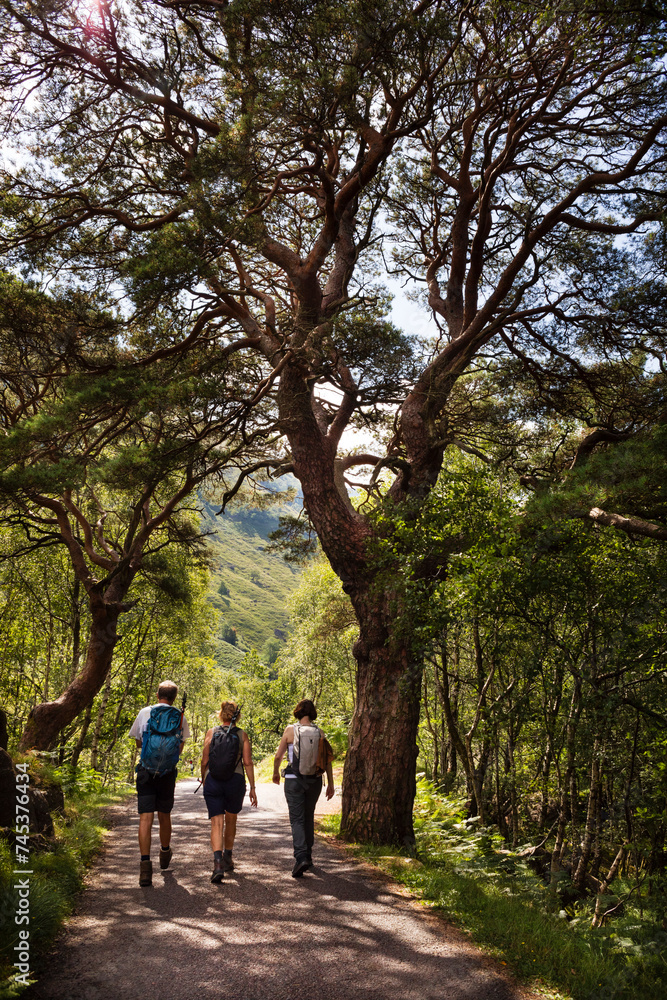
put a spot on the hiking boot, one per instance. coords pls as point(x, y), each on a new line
point(165, 857)
point(227, 864)
point(145, 873)
point(299, 868)
point(218, 872)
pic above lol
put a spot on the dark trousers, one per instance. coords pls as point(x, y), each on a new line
point(302, 795)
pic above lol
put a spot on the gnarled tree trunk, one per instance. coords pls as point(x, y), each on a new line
point(106, 599)
point(47, 720)
point(379, 777)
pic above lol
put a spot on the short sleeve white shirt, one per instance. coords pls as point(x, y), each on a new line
point(140, 724)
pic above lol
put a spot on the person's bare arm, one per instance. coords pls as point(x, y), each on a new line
point(287, 738)
point(330, 782)
point(204, 755)
point(249, 768)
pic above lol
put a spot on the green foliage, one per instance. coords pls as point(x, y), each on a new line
point(492, 894)
point(336, 733)
point(625, 479)
point(294, 538)
point(172, 574)
point(172, 259)
point(228, 634)
point(78, 781)
point(271, 651)
point(168, 633)
point(57, 872)
point(318, 655)
point(544, 656)
point(316, 662)
point(266, 699)
point(380, 355)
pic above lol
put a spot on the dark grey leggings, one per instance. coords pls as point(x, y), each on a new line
point(302, 795)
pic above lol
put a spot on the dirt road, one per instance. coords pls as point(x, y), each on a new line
point(341, 933)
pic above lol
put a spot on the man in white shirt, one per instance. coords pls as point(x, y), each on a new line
point(155, 790)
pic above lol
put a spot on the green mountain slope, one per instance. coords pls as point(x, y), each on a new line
point(249, 586)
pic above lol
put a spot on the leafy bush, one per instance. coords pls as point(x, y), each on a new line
point(57, 872)
point(228, 634)
point(336, 733)
point(78, 780)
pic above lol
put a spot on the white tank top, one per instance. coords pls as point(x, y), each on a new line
point(290, 758)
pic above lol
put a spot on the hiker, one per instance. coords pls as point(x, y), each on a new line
point(227, 751)
point(160, 731)
point(303, 779)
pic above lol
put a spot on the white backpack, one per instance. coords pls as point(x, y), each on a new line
point(306, 745)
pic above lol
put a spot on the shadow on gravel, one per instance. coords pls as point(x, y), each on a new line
point(260, 934)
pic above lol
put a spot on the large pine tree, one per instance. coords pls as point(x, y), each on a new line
point(245, 169)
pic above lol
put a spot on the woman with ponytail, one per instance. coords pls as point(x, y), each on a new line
point(226, 753)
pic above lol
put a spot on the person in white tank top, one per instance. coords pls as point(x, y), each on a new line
point(301, 791)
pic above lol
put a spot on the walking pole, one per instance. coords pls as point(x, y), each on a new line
point(184, 702)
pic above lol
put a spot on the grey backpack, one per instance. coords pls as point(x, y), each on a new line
point(304, 753)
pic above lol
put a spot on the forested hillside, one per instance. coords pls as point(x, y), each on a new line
point(249, 586)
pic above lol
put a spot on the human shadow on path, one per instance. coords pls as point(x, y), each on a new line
point(259, 932)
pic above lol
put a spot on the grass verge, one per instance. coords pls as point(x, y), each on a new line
point(264, 769)
point(504, 907)
point(57, 870)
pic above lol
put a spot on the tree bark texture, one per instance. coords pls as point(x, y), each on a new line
point(379, 779)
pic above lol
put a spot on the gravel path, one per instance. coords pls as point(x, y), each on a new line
point(340, 933)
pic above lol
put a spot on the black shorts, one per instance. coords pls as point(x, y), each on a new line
point(155, 793)
point(224, 796)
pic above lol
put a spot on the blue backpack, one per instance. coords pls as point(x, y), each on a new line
point(161, 744)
